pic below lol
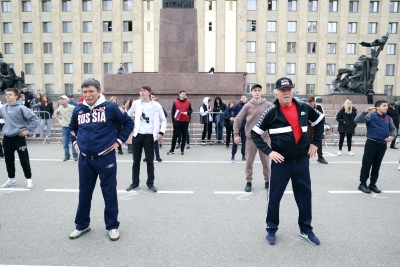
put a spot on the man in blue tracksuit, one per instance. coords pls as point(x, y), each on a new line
point(242, 134)
point(93, 126)
point(380, 131)
point(287, 123)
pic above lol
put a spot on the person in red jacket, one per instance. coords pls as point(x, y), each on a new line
point(180, 115)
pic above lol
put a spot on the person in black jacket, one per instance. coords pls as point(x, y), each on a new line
point(287, 122)
point(218, 118)
point(393, 112)
point(46, 114)
point(370, 95)
point(345, 118)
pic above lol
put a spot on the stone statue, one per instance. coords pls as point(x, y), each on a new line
point(361, 77)
point(8, 78)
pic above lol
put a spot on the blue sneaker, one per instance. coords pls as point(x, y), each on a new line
point(243, 158)
point(233, 159)
point(310, 237)
point(271, 239)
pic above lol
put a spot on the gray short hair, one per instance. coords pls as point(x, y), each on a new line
point(91, 82)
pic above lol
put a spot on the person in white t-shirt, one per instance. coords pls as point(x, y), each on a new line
point(148, 116)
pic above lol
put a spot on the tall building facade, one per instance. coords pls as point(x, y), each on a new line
point(58, 43)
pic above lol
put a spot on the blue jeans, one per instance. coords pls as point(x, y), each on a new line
point(42, 123)
point(66, 140)
point(219, 129)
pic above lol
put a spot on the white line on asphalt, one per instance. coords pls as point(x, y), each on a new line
point(14, 189)
point(240, 192)
point(175, 192)
point(118, 191)
point(359, 192)
point(33, 266)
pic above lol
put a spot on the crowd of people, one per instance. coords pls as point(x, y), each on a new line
point(97, 128)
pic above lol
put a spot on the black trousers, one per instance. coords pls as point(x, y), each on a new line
point(140, 142)
point(341, 140)
point(370, 99)
point(229, 134)
point(180, 128)
point(393, 142)
point(310, 132)
point(207, 128)
point(12, 144)
point(373, 155)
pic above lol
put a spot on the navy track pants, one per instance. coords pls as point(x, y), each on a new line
point(89, 168)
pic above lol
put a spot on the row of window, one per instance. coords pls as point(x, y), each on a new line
point(67, 48)
point(312, 26)
point(311, 68)
point(66, 5)
point(333, 5)
point(67, 27)
point(69, 68)
point(312, 48)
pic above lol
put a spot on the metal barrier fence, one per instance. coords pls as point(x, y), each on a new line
point(55, 128)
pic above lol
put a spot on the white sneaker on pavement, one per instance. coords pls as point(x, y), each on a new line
point(9, 183)
point(29, 184)
point(350, 153)
point(339, 153)
point(113, 234)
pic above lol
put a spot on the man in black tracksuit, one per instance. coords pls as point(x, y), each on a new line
point(287, 123)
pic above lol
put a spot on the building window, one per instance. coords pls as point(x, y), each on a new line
point(312, 26)
point(66, 6)
point(107, 26)
point(69, 88)
point(148, 5)
point(272, 5)
point(28, 48)
point(46, 5)
point(271, 68)
point(210, 7)
point(271, 47)
point(47, 27)
point(127, 5)
point(352, 27)
point(48, 48)
point(29, 68)
point(353, 6)
point(349, 66)
point(391, 49)
point(210, 26)
point(389, 69)
point(127, 26)
point(251, 47)
point(87, 48)
point(128, 67)
point(88, 68)
point(107, 5)
point(271, 26)
point(312, 5)
point(87, 5)
point(108, 68)
point(329, 89)
point(248, 87)
point(26, 6)
point(67, 48)
point(292, 5)
point(311, 48)
point(372, 27)
point(373, 6)
point(290, 68)
point(48, 68)
point(394, 6)
point(250, 67)
point(251, 4)
point(31, 87)
point(6, 6)
point(9, 48)
point(128, 48)
point(291, 48)
point(27, 27)
point(310, 89)
point(291, 26)
point(333, 5)
point(49, 87)
point(331, 48)
point(311, 68)
point(87, 26)
point(67, 26)
point(7, 27)
point(351, 48)
point(270, 88)
point(388, 90)
point(392, 27)
point(330, 69)
point(68, 68)
point(251, 25)
point(107, 47)
point(332, 26)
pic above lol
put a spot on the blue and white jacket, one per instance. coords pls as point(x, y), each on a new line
point(94, 127)
point(378, 127)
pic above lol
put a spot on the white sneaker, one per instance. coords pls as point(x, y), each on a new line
point(29, 184)
point(339, 153)
point(398, 168)
point(350, 153)
point(113, 234)
point(9, 183)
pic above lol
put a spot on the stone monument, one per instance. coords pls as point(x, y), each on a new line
point(178, 64)
point(8, 78)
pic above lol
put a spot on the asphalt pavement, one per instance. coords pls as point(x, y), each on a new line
point(201, 215)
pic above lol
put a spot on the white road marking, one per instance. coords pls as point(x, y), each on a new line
point(118, 191)
point(34, 266)
point(175, 192)
point(359, 192)
point(240, 192)
point(14, 189)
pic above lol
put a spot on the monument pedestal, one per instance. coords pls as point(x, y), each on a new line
point(355, 98)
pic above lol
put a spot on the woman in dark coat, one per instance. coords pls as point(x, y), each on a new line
point(345, 118)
